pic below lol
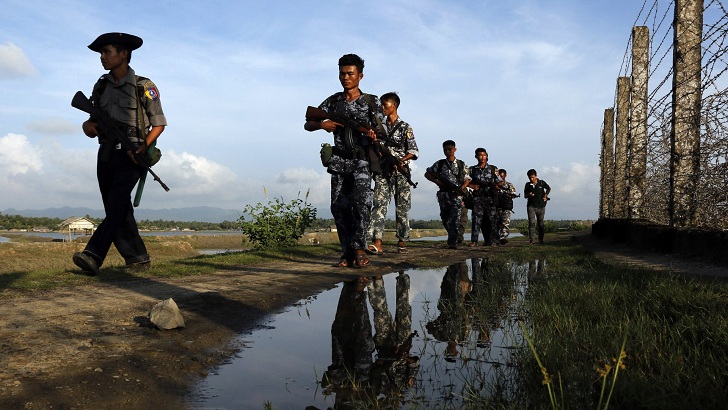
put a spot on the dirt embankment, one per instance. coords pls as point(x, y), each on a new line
point(92, 346)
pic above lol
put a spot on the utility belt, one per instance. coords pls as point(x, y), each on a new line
point(356, 153)
point(129, 131)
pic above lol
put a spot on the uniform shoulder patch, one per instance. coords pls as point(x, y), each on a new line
point(150, 90)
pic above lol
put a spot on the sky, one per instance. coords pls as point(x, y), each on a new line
point(527, 80)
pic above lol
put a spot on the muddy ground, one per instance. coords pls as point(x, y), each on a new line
point(93, 346)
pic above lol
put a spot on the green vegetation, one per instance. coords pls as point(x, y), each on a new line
point(17, 222)
point(580, 311)
point(277, 223)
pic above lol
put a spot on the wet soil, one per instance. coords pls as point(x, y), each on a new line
point(93, 346)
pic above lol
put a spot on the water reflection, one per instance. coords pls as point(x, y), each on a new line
point(449, 342)
point(354, 375)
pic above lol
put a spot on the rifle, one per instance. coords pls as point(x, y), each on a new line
point(114, 131)
point(317, 114)
point(390, 161)
point(451, 185)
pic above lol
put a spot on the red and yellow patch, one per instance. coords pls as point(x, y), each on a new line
point(150, 91)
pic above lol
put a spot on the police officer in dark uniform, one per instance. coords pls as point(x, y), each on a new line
point(351, 177)
point(133, 101)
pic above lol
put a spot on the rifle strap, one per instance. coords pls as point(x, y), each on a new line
point(380, 126)
point(461, 167)
point(141, 133)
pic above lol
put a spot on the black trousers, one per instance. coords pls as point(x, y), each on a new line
point(117, 178)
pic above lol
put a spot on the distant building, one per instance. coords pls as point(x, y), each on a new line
point(77, 225)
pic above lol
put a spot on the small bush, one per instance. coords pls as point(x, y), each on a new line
point(277, 223)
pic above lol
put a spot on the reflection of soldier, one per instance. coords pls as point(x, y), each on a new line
point(351, 336)
point(394, 367)
point(505, 207)
point(536, 267)
point(451, 325)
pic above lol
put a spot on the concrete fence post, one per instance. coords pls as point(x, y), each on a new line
point(620, 149)
point(686, 103)
point(606, 162)
point(638, 121)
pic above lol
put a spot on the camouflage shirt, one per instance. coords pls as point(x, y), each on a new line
point(357, 110)
point(401, 140)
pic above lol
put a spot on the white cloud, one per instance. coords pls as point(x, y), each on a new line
point(298, 176)
point(14, 62)
point(18, 156)
point(54, 126)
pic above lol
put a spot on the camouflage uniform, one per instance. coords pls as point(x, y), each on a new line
point(351, 178)
point(484, 215)
point(504, 215)
point(351, 336)
point(394, 367)
point(449, 201)
point(400, 141)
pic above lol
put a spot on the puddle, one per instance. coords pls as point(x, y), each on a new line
point(429, 338)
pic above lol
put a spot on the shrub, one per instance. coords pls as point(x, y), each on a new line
point(277, 223)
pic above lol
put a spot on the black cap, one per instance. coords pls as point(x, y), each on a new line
point(129, 40)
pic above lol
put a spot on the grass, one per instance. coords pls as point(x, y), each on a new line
point(580, 312)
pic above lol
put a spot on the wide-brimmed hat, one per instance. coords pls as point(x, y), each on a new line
point(129, 40)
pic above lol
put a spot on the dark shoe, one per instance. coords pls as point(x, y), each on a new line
point(139, 266)
point(503, 241)
point(452, 246)
point(87, 264)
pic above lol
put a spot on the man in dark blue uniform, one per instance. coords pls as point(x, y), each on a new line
point(351, 178)
point(134, 102)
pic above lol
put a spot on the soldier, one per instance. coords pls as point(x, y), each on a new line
point(536, 192)
point(122, 95)
point(485, 181)
point(452, 177)
point(351, 178)
point(505, 207)
point(400, 141)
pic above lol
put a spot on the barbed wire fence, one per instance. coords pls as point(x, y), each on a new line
point(710, 196)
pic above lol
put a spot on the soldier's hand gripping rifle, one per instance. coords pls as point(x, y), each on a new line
point(114, 132)
point(317, 114)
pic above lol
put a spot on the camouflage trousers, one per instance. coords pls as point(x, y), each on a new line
point(485, 220)
point(384, 189)
point(450, 205)
point(352, 343)
point(390, 334)
point(504, 223)
point(351, 205)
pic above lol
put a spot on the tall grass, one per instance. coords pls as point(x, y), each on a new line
point(582, 310)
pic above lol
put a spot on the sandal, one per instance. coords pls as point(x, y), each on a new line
point(473, 244)
point(343, 263)
point(401, 248)
point(361, 259)
point(373, 250)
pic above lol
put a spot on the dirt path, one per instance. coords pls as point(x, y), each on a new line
point(92, 346)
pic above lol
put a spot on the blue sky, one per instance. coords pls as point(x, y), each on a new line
point(527, 80)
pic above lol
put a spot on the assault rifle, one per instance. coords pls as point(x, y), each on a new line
point(389, 160)
point(451, 186)
point(114, 132)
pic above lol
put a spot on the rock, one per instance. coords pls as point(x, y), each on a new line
point(166, 315)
